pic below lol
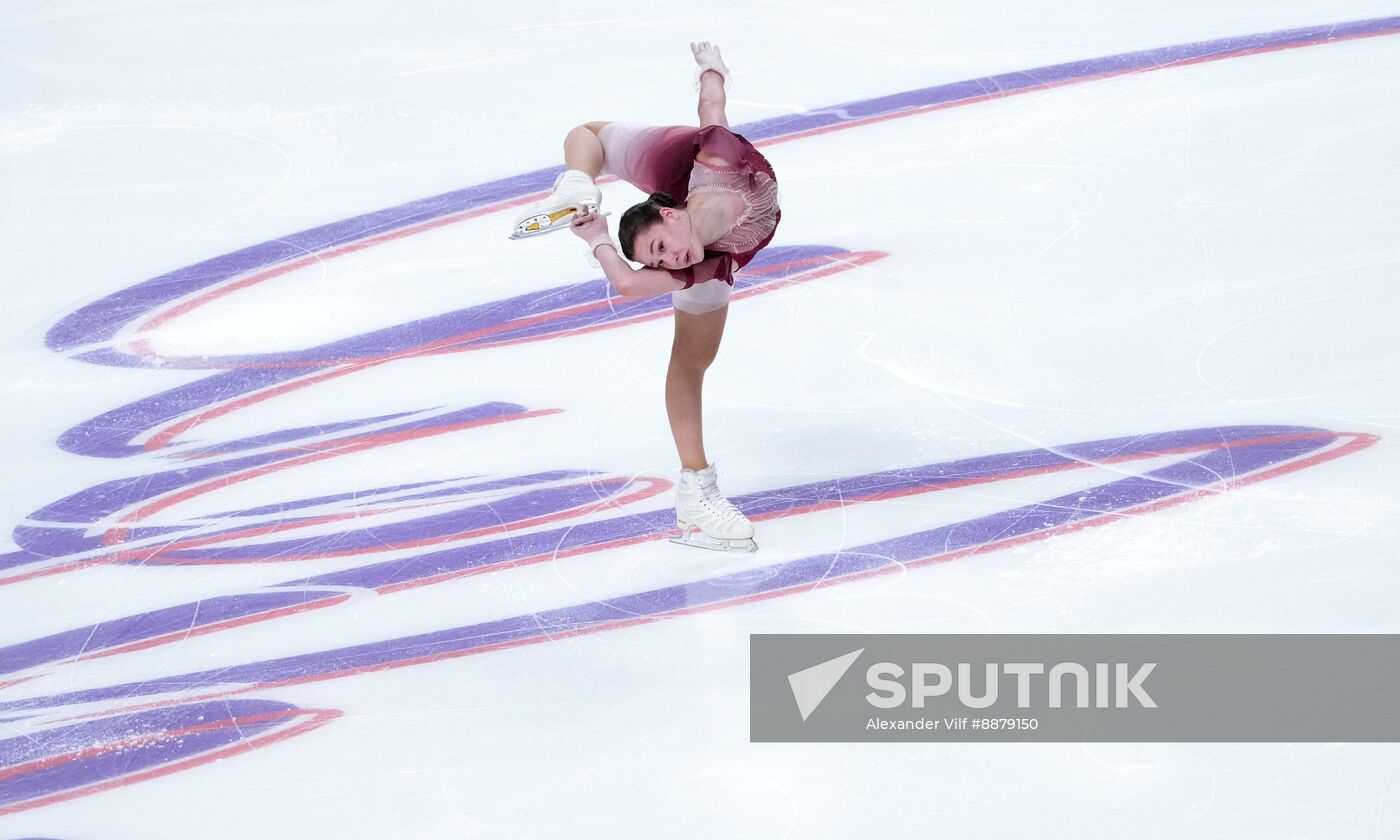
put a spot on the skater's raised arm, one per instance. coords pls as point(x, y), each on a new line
point(711, 79)
point(635, 282)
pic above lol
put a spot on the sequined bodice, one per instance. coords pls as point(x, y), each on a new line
point(760, 194)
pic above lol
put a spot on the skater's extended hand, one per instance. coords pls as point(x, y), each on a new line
point(707, 57)
point(591, 228)
point(706, 54)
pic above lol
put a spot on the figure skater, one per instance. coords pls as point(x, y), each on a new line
point(713, 205)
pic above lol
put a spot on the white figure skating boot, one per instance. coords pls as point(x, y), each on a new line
point(706, 518)
point(573, 191)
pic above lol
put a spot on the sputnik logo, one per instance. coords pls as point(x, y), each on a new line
point(811, 685)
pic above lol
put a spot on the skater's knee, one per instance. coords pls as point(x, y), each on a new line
point(694, 360)
point(586, 134)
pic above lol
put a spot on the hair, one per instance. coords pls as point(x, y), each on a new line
point(639, 217)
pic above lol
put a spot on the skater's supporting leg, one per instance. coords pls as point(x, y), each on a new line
point(693, 349)
point(583, 150)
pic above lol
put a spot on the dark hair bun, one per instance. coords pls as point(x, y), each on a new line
point(661, 199)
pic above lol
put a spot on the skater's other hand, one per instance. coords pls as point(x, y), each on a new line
point(707, 58)
point(706, 54)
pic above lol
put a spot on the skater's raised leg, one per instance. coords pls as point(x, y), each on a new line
point(573, 190)
point(583, 150)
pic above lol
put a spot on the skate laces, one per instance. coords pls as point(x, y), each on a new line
point(714, 500)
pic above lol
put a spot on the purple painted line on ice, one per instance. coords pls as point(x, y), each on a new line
point(498, 512)
point(199, 616)
point(440, 488)
point(89, 506)
point(79, 755)
point(320, 430)
point(581, 535)
point(109, 434)
point(185, 618)
point(1006, 83)
point(1160, 484)
point(102, 319)
point(1221, 463)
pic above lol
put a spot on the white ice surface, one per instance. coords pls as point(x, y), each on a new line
point(1206, 245)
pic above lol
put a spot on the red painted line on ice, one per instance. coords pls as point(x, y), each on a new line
point(317, 719)
point(1005, 94)
point(156, 641)
point(113, 537)
point(331, 449)
point(1357, 442)
point(161, 438)
point(652, 487)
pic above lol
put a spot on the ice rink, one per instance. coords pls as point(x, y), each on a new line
point(328, 511)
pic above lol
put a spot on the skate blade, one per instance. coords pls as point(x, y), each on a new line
point(548, 222)
point(730, 546)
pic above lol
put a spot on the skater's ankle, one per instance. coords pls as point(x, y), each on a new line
point(578, 174)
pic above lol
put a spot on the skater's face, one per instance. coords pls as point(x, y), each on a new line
point(669, 243)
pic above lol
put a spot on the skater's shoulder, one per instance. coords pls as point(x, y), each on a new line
point(713, 161)
point(717, 146)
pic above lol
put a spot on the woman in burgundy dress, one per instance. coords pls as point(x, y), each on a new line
point(713, 205)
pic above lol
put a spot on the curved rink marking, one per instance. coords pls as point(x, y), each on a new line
point(110, 315)
point(100, 322)
point(1311, 448)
